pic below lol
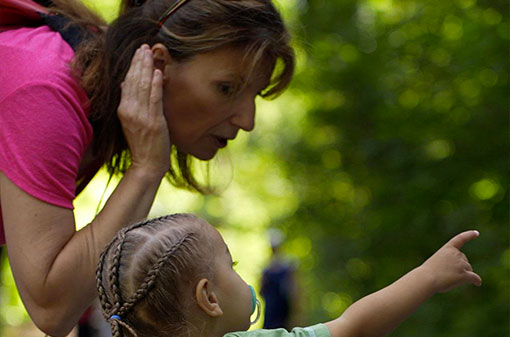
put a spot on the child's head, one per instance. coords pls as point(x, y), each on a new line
point(171, 276)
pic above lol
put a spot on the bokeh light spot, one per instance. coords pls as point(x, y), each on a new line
point(358, 269)
point(381, 5)
point(505, 259)
point(349, 53)
point(443, 100)
point(361, 198)
point(440, 57)
point(396, 39)
point(300, 246)
point(333, 99)
point(108, 9)
point(343, 190)
point(491, 16)
point(215, 207)
point(488, 77)
point(452, 28)
point(324, 135)
point(470, 91)
point(460, 115)
point(336, 303)
point(409, 99)
point(465, 4)
point(14, 315)
point(439, 149)
point(484, 189)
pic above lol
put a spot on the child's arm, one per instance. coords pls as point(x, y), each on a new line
point(381, 312)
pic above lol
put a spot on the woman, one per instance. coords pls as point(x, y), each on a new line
point(166, 81)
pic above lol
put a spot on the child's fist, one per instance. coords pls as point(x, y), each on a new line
point(449, 267)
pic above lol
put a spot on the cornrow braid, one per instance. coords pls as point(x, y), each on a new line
point(152, 275)
point(107, 306)
point(114, 273)
point(103, 298)
point(115, 309)
point(116, 322)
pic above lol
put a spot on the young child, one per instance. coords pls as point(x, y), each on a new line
point(173, 276)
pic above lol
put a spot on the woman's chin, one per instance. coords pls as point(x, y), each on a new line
point(205, 155)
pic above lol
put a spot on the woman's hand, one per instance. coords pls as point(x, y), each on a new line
point(449, 267)
point(141, 114)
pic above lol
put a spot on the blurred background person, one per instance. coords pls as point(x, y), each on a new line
point(279, 286)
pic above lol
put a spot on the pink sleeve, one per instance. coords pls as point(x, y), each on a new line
point(43, 135)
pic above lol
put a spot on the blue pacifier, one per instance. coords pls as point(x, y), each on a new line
point(255, 303)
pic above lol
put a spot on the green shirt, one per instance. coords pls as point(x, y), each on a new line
point(318, 330)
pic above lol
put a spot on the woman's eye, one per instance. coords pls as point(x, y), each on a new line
point(226, 89)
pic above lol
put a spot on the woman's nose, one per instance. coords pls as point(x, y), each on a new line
point(244, 116)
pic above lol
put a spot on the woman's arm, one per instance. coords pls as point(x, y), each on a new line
point(381, 312)
point(53, 265)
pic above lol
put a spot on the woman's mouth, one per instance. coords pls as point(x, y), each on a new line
point(222, 142)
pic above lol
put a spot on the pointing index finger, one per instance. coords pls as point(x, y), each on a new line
point(460, 239)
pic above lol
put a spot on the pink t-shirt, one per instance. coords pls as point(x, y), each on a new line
point(44, 130)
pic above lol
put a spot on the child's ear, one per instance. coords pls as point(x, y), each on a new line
point(206, 298)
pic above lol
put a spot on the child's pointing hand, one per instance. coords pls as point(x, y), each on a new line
point(449, 267)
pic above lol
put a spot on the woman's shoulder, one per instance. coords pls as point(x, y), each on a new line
point(34, 54)
point(38, 61)
point(44, 129)
point(42, 41)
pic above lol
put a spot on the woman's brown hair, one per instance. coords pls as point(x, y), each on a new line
point(144, 275)
point(196, 27)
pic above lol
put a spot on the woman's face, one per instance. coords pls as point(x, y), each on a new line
point(203, 104)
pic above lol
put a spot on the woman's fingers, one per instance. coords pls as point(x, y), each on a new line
point(132, 74)
point(156, 96)
point(145, 72)
point(141, 113)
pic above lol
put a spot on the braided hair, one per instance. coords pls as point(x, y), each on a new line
point(170, 251)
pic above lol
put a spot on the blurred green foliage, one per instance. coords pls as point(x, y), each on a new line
point(403, 143)
point(392, 138)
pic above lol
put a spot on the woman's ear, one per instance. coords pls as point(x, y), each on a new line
point(206, 298)
point(162, 57)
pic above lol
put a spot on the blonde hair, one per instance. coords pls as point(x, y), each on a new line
point(145, 275)
point(196, 27)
